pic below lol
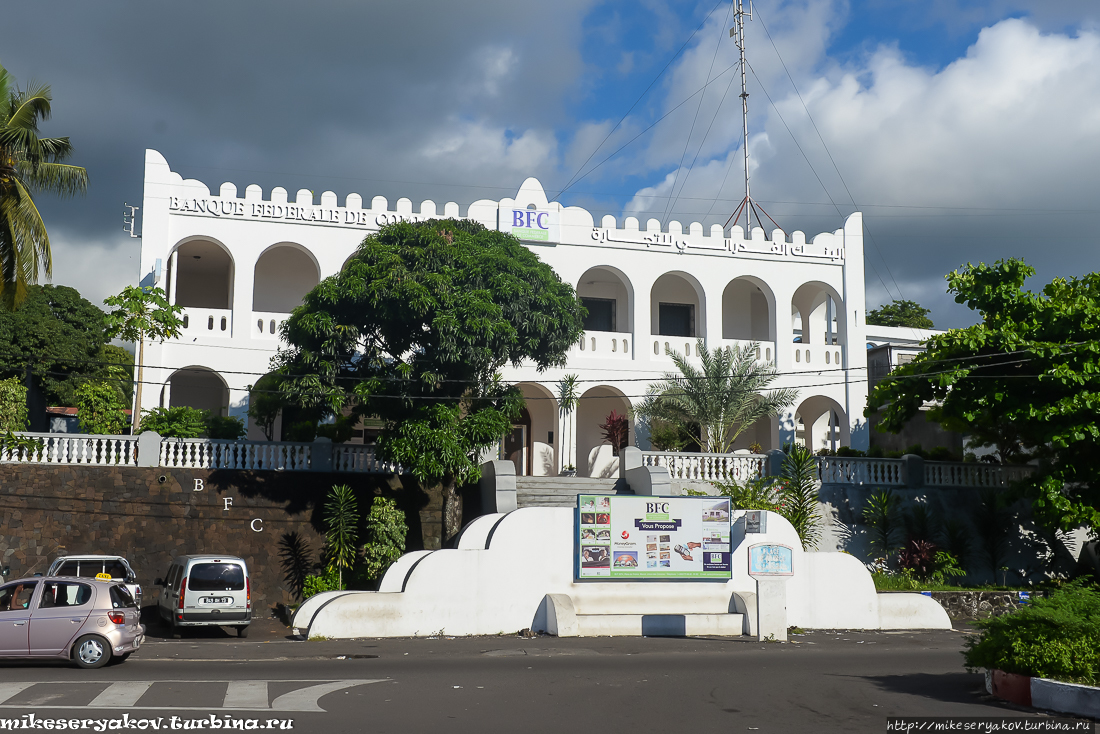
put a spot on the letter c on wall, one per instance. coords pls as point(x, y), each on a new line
point(253, 524)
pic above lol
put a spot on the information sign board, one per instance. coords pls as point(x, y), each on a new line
point(625, 537)
point(770, 559)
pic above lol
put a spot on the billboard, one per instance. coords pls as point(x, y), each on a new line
point(625, 537)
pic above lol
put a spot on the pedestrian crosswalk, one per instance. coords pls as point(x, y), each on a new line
point(176, 695)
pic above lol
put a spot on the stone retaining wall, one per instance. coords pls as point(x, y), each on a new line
point(152, 515)
point(965, 605)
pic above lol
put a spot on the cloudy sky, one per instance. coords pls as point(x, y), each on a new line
point(965, 130)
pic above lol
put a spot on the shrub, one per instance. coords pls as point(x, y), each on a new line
point(665, 436)
point(755, 494)
point(342, 533)
point(227, 427)
point(13, 405)
point(798, 495)
point(616, 431)
point(386, 531)
point(1054, 637)
point(880, 514)
point(100, 408)
point(178, 422)
point(328, 580)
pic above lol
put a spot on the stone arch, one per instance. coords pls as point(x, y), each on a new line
point(748, 310)
point(533, 443)
point(678, 309)
point(820, 314)
point(197, 387)
point(200, 274)
point(609, 297)
point(595, 457)
point(820, 423)
point(284, 273)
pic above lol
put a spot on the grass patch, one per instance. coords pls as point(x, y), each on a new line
point(319, 638)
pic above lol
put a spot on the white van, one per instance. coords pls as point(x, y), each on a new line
point(206, 590)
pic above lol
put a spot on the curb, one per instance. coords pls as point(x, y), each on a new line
point(1042, 693)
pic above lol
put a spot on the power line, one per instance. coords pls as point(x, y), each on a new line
point(639, 99)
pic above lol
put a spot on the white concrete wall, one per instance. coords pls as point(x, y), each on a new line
point(501, 588)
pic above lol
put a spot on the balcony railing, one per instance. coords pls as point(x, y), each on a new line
point(604, 345)
point(266, 325)
point(831, 355)
point(971, 474)
point(205, 453)
point(860, 470)
point(707, 467)
point(207, 322)
point(68, 448)
point(361, 458)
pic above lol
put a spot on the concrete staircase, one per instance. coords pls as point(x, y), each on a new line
point(562, 491)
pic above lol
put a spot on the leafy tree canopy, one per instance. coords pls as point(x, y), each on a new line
point(900, 313)
point(29, 164)
point(727, 393)
point(414, 330)
point(1026, 379)
point(60, 335)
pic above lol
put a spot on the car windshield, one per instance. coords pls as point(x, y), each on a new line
point(216, 577)
point(121, 597)
point(116, 569)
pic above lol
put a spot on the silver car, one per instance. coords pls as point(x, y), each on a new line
point(90, 566)
point(88, 621)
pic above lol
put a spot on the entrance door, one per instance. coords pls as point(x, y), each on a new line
point(515, 449)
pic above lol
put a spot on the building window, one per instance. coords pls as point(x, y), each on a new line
point(601, 314)
point(676, 319)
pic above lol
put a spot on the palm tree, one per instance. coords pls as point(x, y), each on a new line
point(28, 163)
point(723, 398)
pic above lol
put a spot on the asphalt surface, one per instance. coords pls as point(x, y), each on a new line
point(818, 682)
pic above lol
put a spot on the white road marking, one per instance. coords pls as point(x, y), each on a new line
point(122, 694)
point(246, 694)
point(305, 699)
point(7, 690)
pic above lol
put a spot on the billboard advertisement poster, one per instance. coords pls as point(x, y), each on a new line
point(625, 537)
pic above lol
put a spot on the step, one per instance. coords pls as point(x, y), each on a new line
point(572, 482)
point(659, 625)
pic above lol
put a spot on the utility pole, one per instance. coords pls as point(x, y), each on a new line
point(738, 32)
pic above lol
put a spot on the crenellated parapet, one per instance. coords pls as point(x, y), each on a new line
point(530, 216)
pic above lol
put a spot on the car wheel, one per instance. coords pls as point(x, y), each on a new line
point(91, 651)
point(242, 631)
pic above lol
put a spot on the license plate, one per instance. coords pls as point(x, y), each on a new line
point(216, 600)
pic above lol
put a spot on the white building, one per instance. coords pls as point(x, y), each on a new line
point(240, 262)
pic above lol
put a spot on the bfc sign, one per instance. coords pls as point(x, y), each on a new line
point(537, 225)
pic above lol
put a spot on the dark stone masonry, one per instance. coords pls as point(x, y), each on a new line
point(153, 515)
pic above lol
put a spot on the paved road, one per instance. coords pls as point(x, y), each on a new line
point(822, 682)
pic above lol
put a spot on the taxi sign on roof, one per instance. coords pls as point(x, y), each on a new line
point(103, 577)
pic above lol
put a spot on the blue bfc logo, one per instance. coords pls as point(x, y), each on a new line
point(529, 224)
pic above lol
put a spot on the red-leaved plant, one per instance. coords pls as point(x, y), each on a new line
point(616, 431)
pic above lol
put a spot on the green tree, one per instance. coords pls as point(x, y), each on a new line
point(264, 403)
point(900, 313)
point(1026, 379)
point(13, 405)
point(179, 421)
point(60, 337)
point(386, 531)
point(727, 395)
point(140, 314)
point(342, 533)
point(414, 330)
point(101, 408)
point(29, 164)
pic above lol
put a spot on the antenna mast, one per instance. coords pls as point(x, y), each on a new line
point(740, 36)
